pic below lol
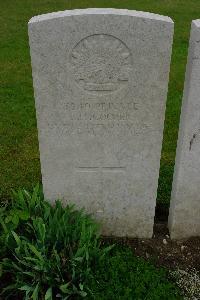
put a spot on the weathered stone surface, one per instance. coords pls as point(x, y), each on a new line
point(100, 81)
point(184, 216)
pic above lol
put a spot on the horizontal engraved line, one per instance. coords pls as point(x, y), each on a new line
point(87, 169)
point(100, 87)
point(103, 169)
point(114, 168)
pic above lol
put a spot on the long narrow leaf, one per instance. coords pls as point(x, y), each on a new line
point(36, 292)
point(35, 251)
point(17, 239)
point(48, 295)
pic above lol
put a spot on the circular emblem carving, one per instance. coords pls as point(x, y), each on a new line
point(101, 63)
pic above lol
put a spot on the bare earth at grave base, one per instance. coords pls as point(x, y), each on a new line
point(172, 254)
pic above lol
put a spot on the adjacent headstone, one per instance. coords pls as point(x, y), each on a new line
point(100, 81)
point(184, 216)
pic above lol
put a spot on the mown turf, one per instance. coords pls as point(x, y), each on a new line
point(19, 155)
point(125, 276)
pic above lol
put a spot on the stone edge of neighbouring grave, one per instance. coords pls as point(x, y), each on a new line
point(176, 223)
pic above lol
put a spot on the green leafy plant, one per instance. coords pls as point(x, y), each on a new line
point(48, 251)
point(55, 252)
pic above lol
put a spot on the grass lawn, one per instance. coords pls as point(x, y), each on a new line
point(19, 156)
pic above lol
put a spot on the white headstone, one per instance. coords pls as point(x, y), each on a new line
point(100, 81)
point(184, 215)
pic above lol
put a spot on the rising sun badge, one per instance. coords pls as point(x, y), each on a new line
point(101, 63)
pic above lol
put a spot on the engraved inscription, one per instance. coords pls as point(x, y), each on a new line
point(98, 118)
point(101, 63)
point(100, 111)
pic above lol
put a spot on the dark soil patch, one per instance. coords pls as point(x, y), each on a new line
point(162, 251)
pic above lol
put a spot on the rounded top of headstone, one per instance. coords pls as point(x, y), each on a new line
point(196, 22)
point(100, 11)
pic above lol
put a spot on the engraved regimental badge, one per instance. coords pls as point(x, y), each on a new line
point(101, 63)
